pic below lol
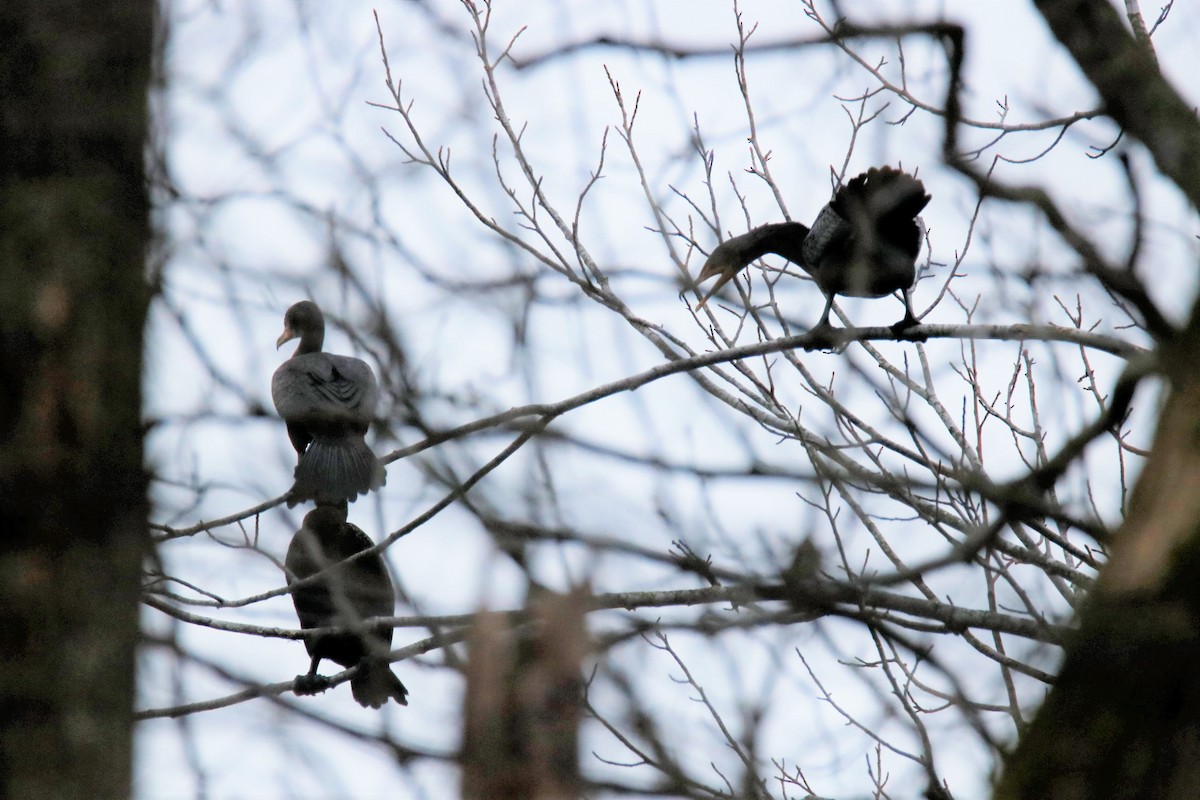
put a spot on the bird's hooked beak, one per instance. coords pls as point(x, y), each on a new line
point(287, 335)
point(716, 264)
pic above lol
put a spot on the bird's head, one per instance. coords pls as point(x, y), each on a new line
point(303, 321)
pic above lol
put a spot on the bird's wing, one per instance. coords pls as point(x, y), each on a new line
point(865, 241)
point(363, 585)
point(341, 380)
point(305, 557)
point(371, 591)
point(324, 384)
point(830, 233)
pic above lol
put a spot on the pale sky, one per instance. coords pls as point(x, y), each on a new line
point(273, 142)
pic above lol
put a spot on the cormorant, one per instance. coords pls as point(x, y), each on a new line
point(327, 402)
point(864, 243)
point(343, 597)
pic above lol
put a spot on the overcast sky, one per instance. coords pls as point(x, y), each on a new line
point(278, 154)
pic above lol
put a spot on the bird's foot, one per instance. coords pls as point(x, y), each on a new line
point(824, 336)
point(903, 329)
point(293, 499)
point(310, 684)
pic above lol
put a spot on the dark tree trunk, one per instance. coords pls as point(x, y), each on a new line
point(1123, 719)
point(74, 228)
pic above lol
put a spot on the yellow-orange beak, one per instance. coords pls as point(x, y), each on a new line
point(286, 336)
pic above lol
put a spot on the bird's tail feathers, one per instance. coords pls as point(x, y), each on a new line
point(375, 684)
point(884, 194)
point(336, 468)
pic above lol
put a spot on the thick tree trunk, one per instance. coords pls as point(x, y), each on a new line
point(74, 227)
point(1123, 719)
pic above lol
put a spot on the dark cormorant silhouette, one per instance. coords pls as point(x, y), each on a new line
point(327, 402)
point(864, 243)
point(343, 597)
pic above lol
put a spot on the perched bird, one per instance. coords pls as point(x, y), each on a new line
point(327, 402)
point(343, 597)
point(864, 243)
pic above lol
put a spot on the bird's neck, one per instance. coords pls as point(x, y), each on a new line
point(310, 342)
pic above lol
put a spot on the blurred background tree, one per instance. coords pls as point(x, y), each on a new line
point(74, 237)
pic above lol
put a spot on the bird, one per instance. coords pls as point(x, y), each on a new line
point(327, 402)
point(343, 596)
point(863, 243)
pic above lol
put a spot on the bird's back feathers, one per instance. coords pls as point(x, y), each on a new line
point(325, 390)
point(328, 402)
